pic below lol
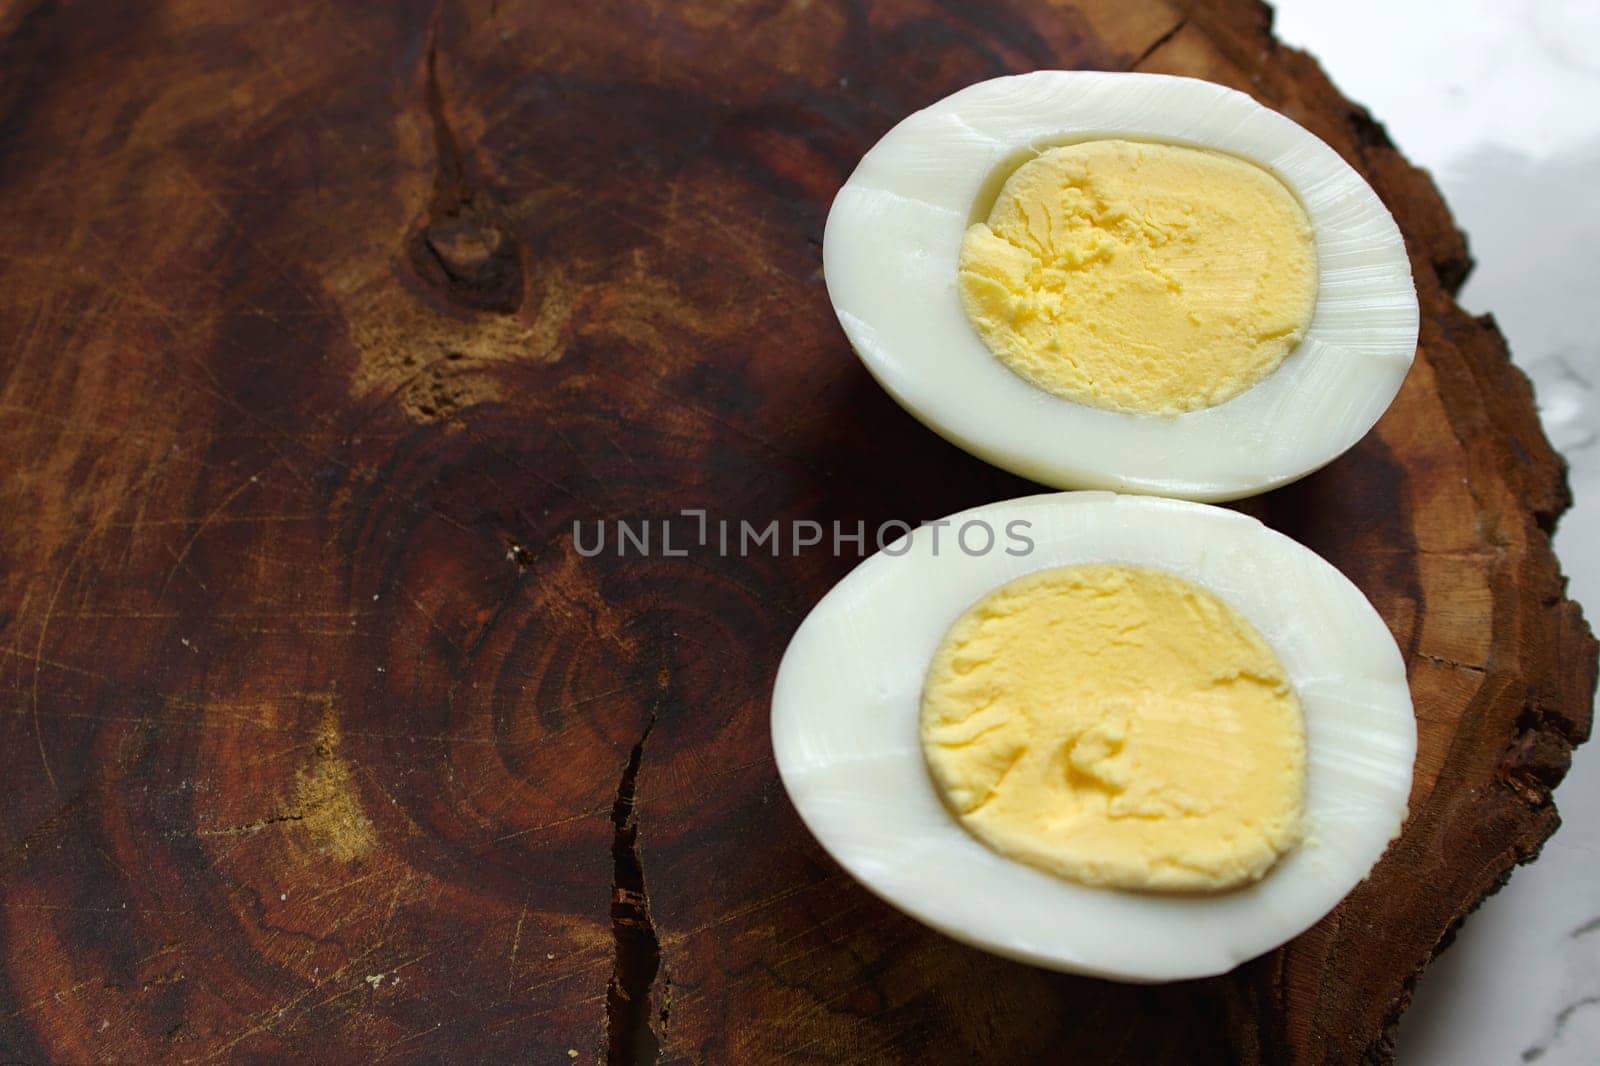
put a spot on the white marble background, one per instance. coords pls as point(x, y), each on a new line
point(1501, 101)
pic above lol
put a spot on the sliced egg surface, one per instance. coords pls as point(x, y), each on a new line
point(848, 707)
point(1134, 282)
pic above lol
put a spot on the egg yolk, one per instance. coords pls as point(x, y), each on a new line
point(1117, 726)
point(1143, 278)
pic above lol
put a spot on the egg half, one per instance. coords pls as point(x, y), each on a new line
point(1214, 239)
point(848, 699)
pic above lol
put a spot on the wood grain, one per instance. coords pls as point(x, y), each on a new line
point(323, 323)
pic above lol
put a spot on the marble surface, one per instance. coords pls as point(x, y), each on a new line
point(1501, 101)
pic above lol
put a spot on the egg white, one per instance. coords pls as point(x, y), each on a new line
point(845, 732)
point(893, 240)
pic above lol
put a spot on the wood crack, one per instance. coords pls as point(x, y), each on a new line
point(1454, 664)
point(250, 827)
point(1154, 45)
point(462, 247)
point(631, 1038)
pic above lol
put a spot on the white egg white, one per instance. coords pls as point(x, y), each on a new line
point(845, 732)
point(893, 241)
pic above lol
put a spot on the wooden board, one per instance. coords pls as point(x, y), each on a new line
point(320, 326)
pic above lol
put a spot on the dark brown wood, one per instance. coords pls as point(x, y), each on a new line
point(320, 325)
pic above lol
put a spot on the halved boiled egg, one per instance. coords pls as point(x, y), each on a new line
point(1125, 281)
point(1130, 737)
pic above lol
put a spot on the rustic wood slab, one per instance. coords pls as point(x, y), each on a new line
point(320, 325)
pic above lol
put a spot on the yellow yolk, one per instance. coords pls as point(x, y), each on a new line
point(1143, 278)
point(1117, 726)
